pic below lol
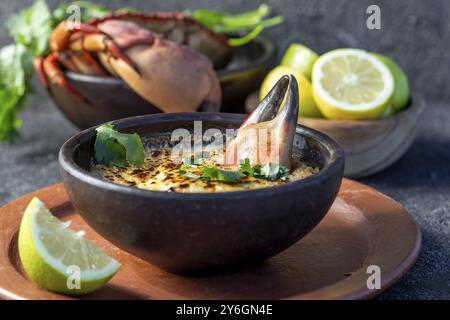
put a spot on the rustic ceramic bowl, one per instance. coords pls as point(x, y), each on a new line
point(185, 233)
point(111, 98)
point(370, 145)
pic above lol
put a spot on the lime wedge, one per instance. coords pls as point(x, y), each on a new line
point(352, 84)
point(401, 86)
point(300, 58)
point(308, 107)
point(59, 259)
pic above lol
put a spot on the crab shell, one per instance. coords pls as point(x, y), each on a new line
point(170, 75)
point(181, 29)
point(153, 53)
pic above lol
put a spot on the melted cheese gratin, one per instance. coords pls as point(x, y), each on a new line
point(161, 173)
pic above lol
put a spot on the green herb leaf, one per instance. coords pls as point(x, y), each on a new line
point(32, 27)
point(15, 69)
point(272, 171)
point(224, 23)
point(118, 149)
point(269, 171)
point(247, 19)
point(255, 32)
point(213, 173)
point(189, 174)
point(209, 18)
point(247, 169)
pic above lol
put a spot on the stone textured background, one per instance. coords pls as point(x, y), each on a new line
point(415, 33)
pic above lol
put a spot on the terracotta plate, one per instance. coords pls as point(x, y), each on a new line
point(363, 228)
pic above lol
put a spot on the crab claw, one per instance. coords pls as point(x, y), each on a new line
point(268, 133)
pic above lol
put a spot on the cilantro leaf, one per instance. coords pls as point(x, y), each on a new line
point(272, 171)
point(247, 169)
point(15, 69)
point(118, 149)
point(213, 173)
point(32, 27)
point(189, 174)
point(184, 171)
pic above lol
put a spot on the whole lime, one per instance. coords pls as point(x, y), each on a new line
point(308, 107)
point(300, 58)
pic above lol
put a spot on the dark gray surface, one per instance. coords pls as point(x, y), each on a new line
point(414, 32)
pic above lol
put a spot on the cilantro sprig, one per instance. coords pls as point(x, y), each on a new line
point(113, 148)
point(269, 171)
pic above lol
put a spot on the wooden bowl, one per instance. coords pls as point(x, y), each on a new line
point(111, 98)
point(370, 145)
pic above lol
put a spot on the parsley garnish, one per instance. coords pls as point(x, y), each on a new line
point(113, 148)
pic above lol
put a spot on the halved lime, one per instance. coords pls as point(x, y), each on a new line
point(308, 107)
point(352, 84)
point(59, 259)
point(300, 58)
point(401, 85)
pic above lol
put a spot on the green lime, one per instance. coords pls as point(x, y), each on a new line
point(389, 111)
point(300, 58)
point(59, 259)
point(308, 107)
point(401, 86)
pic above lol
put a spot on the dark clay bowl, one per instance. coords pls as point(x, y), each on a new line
point(111, 98)
point(186, 233)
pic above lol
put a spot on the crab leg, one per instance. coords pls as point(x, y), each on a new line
point(99, 42)
point(77, 42)
point(39, 67)
point(52, 70)
point(61, 35)
point(85, 37)
point(268, 134)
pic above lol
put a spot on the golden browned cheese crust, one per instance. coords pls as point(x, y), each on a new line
point(161, 172)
